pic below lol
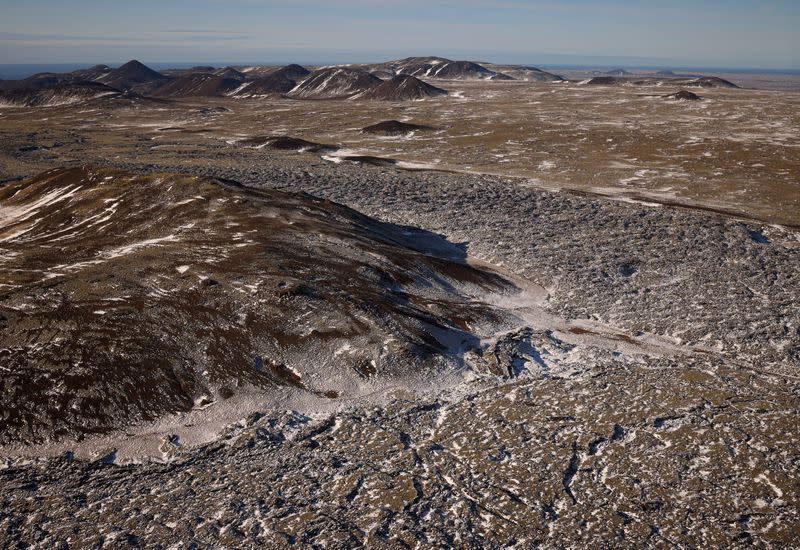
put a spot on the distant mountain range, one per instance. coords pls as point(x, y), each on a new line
point(699, 82)
point(398, 80)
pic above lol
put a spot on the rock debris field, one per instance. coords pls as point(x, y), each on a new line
point(664, 414)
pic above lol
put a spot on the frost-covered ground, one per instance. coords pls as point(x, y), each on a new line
point(582, 446)
point(692, 442)
point(664, 413)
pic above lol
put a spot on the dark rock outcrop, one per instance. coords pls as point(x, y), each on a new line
point(395, 127)
point(684, 95)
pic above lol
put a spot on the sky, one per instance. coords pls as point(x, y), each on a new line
point(675, 33)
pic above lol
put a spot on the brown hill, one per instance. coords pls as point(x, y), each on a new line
point(292, 72)
point(132, 297)
point(402, 87)
point(197, 85)
point(230, 72)
point(334, 83)
point(529, 74)
point(62, 93)
point(265, 86)
point(440, 67)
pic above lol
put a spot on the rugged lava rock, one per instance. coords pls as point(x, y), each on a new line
point(605, 81)
point(125, 298)
point(286, 143)
point(684, 95)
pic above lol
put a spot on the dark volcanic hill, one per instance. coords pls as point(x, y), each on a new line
point(285, 143)
point(443, 68)
point(292, 72)
point(62, 93)
point(439, 67)
point(673, 74)
point(274, 84)
point(606, 81)
point(520, 72)
point(700, 82)
point(131, 76)
point(402, 87)
point(36, 82)
point(230, 72)
point(196, 69)
point(92, 73)
point(131, 297)
point(707, 82)
point(395, 127)
point(334, 83)
point(197, 85)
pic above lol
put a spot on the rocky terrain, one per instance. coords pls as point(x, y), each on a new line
point(262, 261)
point(533, 356)
point(693, 443)
point(685, 96)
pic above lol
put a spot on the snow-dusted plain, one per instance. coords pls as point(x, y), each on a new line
point(628, 376)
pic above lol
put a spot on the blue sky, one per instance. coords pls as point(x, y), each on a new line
point(681, 33)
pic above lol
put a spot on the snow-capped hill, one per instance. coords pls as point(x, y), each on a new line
point(529, 74)
point(334, 83)
point(439, 67)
